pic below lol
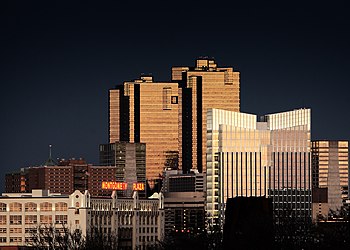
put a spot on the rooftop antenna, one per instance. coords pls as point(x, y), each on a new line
point(50, 155)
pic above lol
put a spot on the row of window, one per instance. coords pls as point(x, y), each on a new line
point(31, 206)
point(148, 230)
point(32, 219)
point(148, 238)
point(12, 239)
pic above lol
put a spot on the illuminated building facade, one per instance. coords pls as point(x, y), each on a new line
point(136, 222)
point(147, 112)
point(266, 158)
point(330, 163)
point(202, 87)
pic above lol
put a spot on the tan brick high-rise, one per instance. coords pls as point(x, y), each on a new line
point(147, 112)
point(202, 87)
point(330, 163)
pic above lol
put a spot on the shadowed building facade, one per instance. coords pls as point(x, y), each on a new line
point(203, 86)
point(271, 157)
point(147, 112)
point(248, 223)
point(184, 199)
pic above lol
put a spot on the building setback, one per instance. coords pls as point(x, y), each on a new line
point(203, 86)
point(267, 158)
point(146, 111)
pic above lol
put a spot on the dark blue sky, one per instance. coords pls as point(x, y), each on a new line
point(58, 60)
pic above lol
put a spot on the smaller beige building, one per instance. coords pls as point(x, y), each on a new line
point(330, 172)
point(136, 222)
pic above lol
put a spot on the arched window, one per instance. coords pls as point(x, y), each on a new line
point(45, 206)
point(15, 207)
point(30, 207)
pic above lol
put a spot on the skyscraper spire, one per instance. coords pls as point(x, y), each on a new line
point(50, 161)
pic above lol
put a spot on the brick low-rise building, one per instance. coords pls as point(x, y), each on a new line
point(64, 177)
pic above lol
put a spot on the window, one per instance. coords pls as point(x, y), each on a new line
point(174, 100)
point(16, 230)
point(15, 239)
point(45, 219)
point(61, 219)
point(30, 219)
point(3, 230)
point(31, 230)
point(2, 239)
point(15, 207)
point(28, 239)
point(45, 206)
point(3, 207)
point(30, 207)
point(76, 222)
point(3, 220)
point(61, 206)
point(167, 98)
point(15, 219)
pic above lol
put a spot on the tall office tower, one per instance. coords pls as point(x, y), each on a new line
point(147, 112)
point(265, 158)
point(202, 87)
point(330, 162)
point(130, 162)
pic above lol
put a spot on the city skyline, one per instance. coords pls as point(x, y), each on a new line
point(60, 61)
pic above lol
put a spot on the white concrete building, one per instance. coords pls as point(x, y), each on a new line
point(136, 222)
point(267, 157)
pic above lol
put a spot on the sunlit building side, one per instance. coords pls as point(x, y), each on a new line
point(202, 87)
point(146, 111)
point(270, 157)
point(330, 163)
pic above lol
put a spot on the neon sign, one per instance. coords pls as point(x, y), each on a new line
point(138, 186)
point(113, 185)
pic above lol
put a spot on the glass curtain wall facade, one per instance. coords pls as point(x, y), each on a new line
point(202, 87)
point(290, 175)
point(147, 112)
point(250, 158)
